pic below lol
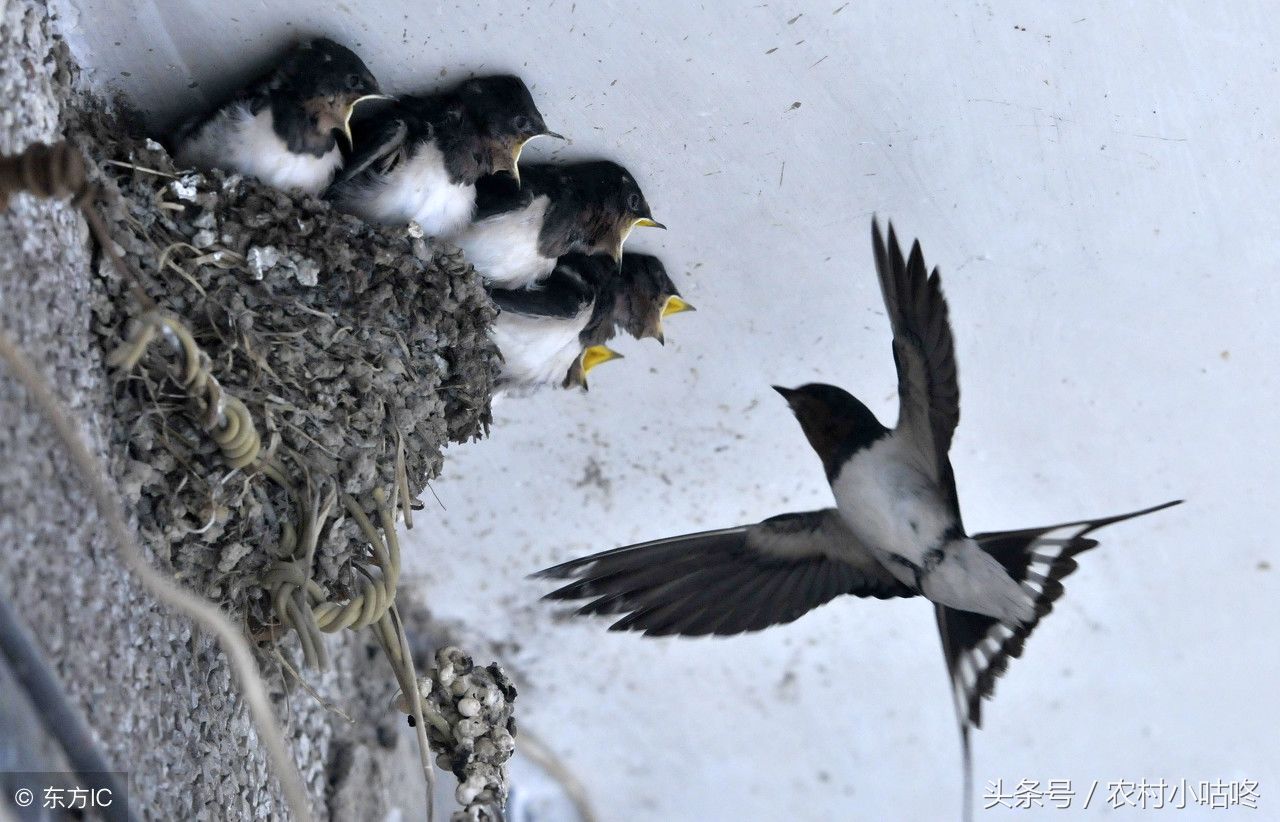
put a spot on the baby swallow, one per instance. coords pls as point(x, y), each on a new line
point(539, 330)
point(420, 158)
point(644, 297)
point(506, 119)
point(284, 130)
point(584, 295)
point(521, 228)
point(634, 299)
point(895, 531)
point(590, 357)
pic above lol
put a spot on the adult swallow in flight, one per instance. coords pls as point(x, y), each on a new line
point(284, 130)
point(896, 530)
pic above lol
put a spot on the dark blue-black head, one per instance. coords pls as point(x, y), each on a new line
point(319, 83)
point(835, 422)
point(611, 202)
point(505, 117)
point(646, 295)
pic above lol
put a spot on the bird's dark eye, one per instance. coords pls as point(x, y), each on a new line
point(354, 81)
point(521, 123)
point(633, 202)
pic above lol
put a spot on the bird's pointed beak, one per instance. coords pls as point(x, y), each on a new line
point(519, 147)
point(351, 109)
point(672, 305)
point(596, 355)
point(589, 359)
point(787, 393)
point(675, 305)
point(515, 159)
point(653, 331)
point(639, 222)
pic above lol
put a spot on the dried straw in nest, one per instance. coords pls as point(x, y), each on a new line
point(360, 351)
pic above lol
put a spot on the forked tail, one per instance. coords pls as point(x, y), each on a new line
point(978, 648)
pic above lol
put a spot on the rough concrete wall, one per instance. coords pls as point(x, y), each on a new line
point(161, 699)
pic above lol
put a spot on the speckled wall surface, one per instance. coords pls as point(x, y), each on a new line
point(1097, 184)
point(100, 631)
point(158, 694)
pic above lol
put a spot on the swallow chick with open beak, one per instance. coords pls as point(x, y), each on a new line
point(522, 228)
point(540, 330)
point(420, 158)
point(645, 296)
point(895, 531)
point(635, 299)
point(284, 130)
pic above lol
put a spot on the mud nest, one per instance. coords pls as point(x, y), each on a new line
point(346, 341)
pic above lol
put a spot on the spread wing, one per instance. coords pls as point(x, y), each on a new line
point(728, 581)
point(923, 351)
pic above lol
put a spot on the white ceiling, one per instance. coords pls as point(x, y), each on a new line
point(1098, 183)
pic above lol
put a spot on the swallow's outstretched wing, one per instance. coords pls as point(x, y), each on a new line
point(728, 581)
point(924, 353)
point(978, 648)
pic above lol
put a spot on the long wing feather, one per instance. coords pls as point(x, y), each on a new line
point(923, 351)
point(563, 293)
point(727, 581)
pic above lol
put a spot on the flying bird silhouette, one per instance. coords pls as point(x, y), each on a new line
point(896, 530)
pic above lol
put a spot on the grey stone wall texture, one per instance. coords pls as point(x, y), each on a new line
point(159, 696)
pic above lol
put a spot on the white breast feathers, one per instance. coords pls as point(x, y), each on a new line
point(504, 247)
point(238, 141)
point(418, 190)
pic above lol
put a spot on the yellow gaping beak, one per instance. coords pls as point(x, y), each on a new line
point(671, 305)
point(641, 222)
point(515, 153)
point(515, 158)
point(592, 357)
point(674, 305)
point(351, 107)
point(595, 355)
